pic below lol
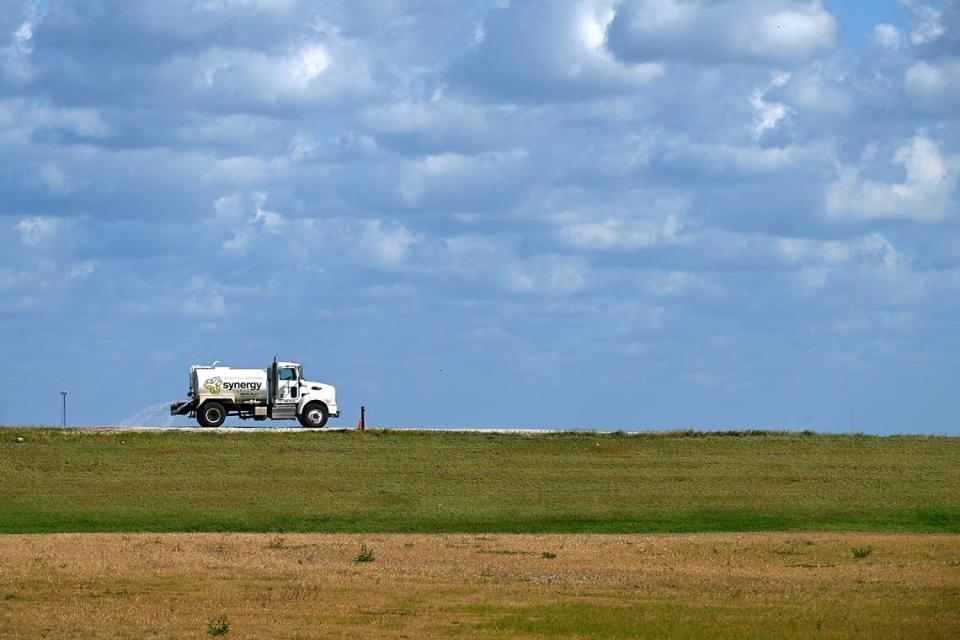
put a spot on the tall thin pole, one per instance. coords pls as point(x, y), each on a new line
point(63, 422)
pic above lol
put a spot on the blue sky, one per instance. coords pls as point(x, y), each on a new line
point(636, 214)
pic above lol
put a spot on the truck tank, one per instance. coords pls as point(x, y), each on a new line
point(236, 385)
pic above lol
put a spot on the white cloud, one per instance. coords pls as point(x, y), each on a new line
point(890, 273)
point(240, 171)
point(675, 283)
point(56, 181)
point(23, 39)
point(239, 242)
point(83, 269)
point(753, 30)
point(928, 25)
point(204, 301)
point(330, 71)
point(302, 147)
point(924, 195)
point(439, 123)
point(804, 251)
point(935, 86)
point(42, 284)
point(812, 89)
point(767, 115)
point(269, 221)
point(817, 263)
point(15, 55)
point(229, 209)
point(27, 117)
point(460, 178)
point(36, 231)
point(227, 6)
point(306, 64)
point(271, 77)
point(616, 234)
point(547, 275)
point(495, 262)
point(377, 242)
point(882, 252)
point(546, 51)
point(887, 36)
point(728, 159)
point(388, 244)
point(245, 218)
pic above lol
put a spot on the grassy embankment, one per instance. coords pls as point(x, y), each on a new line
point(389, 481)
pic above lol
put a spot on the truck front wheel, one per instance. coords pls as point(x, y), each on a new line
point(211, 414)
point(314, 415)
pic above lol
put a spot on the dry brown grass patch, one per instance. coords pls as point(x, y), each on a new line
point(308, 585)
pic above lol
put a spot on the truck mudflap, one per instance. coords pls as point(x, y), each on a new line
point(181, 408)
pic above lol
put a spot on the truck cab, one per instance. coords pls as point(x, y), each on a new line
point(291, 394)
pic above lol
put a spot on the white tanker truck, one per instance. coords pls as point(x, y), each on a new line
point(278, 392)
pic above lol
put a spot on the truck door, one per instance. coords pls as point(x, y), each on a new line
point(287, 393)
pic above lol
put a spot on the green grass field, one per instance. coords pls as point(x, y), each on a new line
point(392, 481)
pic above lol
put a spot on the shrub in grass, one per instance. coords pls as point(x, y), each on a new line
point(862, 552)
point(365, 554)
point(219, 627)
point(548, 555)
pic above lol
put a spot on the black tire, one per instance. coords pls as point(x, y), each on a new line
point(211, 414)
point(314, 415)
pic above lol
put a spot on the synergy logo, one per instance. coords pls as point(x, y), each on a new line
point(215, 385)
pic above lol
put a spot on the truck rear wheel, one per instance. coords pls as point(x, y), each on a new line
point(211, 414)
point(314, 416)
